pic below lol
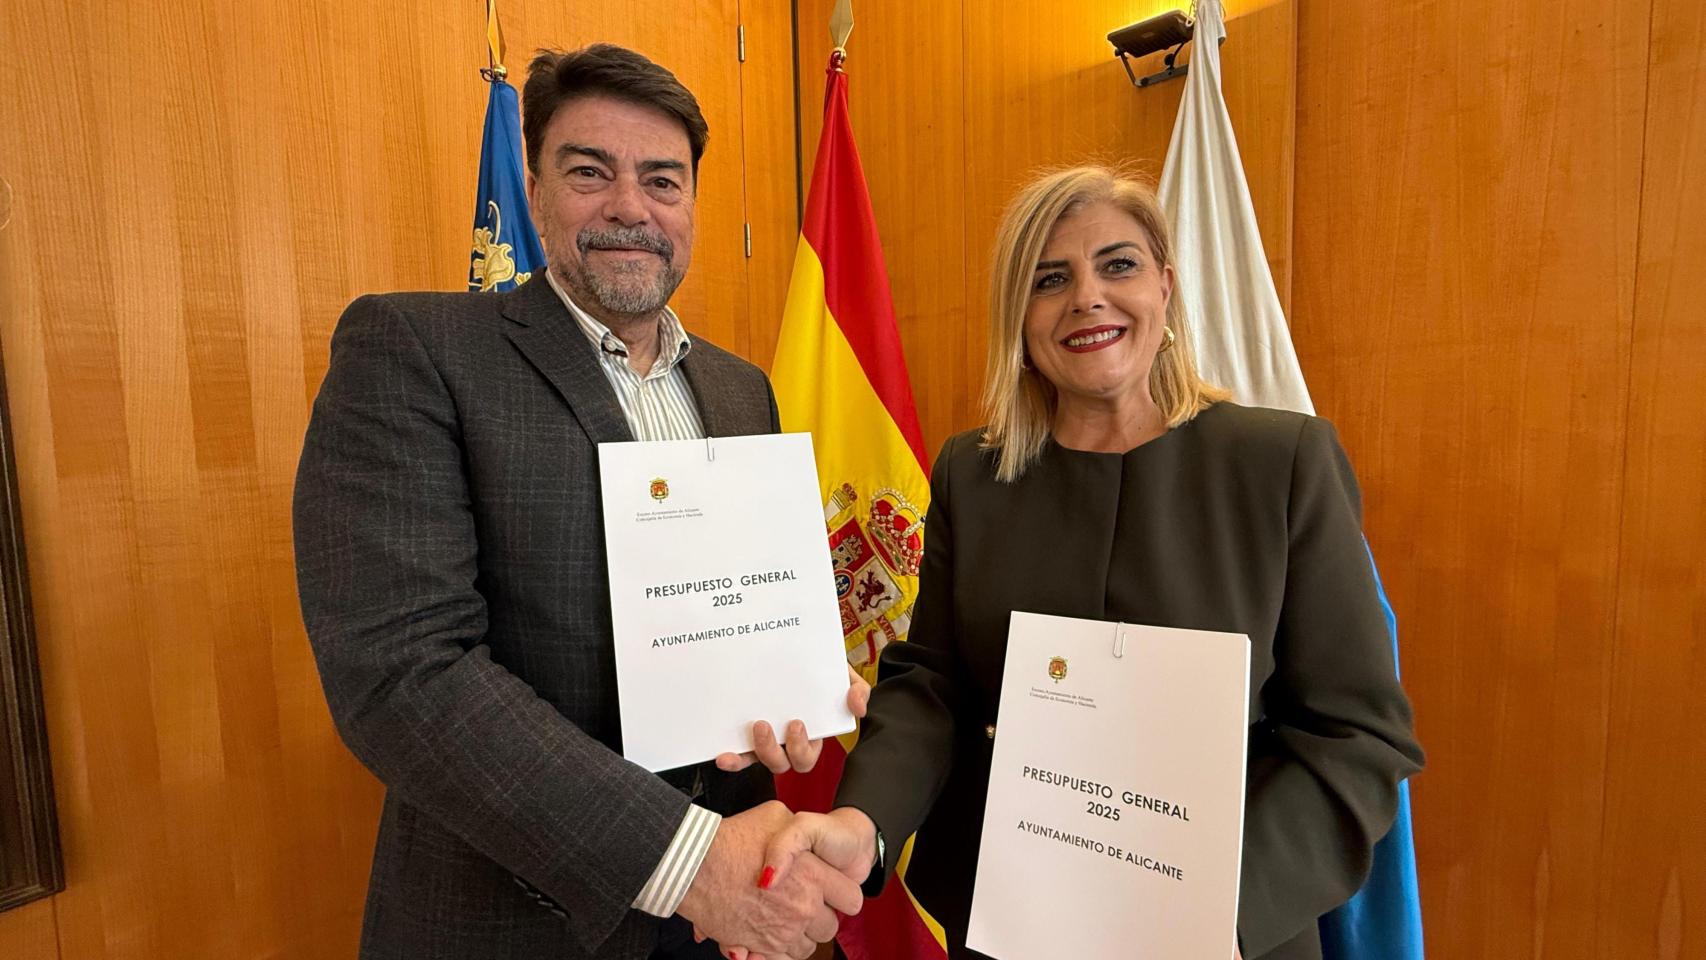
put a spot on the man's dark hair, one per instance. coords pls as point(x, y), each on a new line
point(555, 77)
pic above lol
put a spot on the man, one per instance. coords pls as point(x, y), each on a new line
point(451, 565)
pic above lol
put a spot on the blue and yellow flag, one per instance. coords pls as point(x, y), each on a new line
point(506, 247)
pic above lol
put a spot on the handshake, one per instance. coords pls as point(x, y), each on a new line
point(775, 882)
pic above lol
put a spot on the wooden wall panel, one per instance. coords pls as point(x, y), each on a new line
point(29, 932)
point(200, 189)
point(905, 85)
point(1465, 267)
point(1652, 890)
point(1259, 80)
point(768, 90)
point(956, 105)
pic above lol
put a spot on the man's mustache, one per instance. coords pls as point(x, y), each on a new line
point(632, 238)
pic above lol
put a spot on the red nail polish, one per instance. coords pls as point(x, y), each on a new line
point(766, 877)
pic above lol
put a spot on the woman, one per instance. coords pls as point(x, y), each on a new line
point(1113, 483)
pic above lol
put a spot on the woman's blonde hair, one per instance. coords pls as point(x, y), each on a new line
point(1018, 402)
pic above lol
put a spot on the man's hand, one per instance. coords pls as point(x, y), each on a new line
point(796, 752)
point(786, 918)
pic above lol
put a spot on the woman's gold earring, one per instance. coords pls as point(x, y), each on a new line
point(1167, 339)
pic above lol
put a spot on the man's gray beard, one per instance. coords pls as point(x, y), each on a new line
point(630, 288)
point(634, 290)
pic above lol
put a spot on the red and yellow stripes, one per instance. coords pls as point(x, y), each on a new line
point(839, 373)
point(839, 370)
point(840, 231)
point(822, 386)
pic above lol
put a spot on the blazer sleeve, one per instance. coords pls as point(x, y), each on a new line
point(386, 568)
point(1336, 739)
point(906, 742)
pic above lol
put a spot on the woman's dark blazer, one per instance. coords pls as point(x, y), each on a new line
point(1243, 520)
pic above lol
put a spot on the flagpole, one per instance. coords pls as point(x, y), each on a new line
point(841, 26)
point(496, 72)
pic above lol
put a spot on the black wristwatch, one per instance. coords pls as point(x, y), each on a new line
point(878, 877)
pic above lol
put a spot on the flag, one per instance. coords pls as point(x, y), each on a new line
point(1223, 273)
point(1384, 919)
point(506, 248)
point(839, 374)
point(1244, 344)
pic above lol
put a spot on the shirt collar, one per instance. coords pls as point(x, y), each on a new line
point(670, 331)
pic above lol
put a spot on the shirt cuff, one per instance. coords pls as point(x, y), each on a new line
point(680, 864)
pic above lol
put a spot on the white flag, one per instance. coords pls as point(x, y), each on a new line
point(1237, 325)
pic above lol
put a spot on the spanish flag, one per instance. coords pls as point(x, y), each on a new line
point(839, 373)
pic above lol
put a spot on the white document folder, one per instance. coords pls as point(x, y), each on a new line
point(722, 597)
point(1115, 819)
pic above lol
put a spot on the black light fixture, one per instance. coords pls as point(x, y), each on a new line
point(1171, 29)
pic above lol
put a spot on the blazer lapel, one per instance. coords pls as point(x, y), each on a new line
point(731, 395)
point(713, 415)
point(542, 329)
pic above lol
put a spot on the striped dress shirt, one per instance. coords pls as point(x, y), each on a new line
point(658, 406)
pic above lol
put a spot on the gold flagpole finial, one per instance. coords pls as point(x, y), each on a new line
point(494, 44)
point(841, 25)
